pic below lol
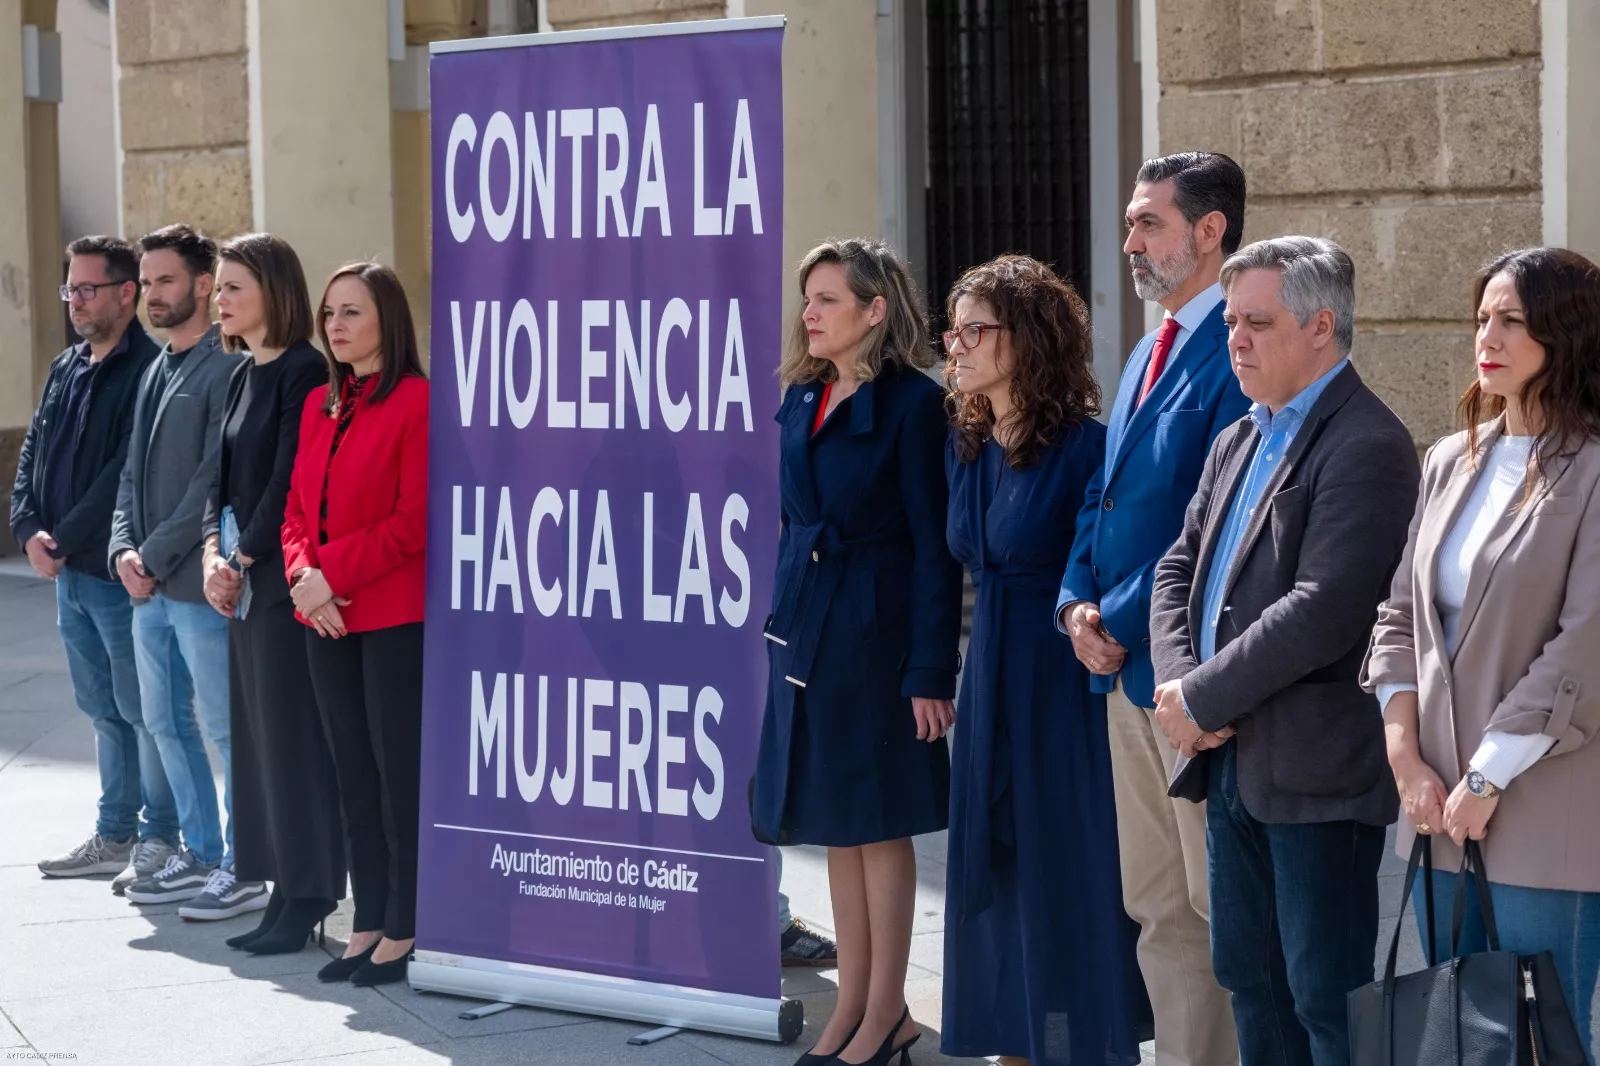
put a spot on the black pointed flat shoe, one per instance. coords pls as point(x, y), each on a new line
point(381, 973)
point(343, 969)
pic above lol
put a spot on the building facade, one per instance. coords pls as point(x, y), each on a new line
point(1424, 136)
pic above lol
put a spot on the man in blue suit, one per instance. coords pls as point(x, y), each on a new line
point(1177, 393)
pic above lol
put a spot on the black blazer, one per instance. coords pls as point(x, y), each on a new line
point(1302, 598)
point(83, 534)
point(260, 436)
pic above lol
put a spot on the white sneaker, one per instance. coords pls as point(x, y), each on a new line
point(225, 896)
point(183, 878)
point(148, 858)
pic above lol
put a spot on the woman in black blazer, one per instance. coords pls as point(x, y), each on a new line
point(285, 797)
point(865, 624)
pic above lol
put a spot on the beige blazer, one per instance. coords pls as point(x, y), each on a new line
point(1527, 660)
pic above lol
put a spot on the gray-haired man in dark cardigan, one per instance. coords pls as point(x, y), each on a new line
point(1259, 622)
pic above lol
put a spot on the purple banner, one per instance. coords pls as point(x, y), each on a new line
point(607, 282)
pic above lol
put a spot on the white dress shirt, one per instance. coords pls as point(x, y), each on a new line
point(1500, 756)
point(1191, 315)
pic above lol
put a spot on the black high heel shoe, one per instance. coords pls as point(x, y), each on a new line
point(293, 929)
point(269, 918)
point(343, 969)
point(811, 1058)
point(887, 1050)
point(381, 973)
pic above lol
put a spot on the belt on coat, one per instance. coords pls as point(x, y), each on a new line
point(809, 573)
point(983, 820)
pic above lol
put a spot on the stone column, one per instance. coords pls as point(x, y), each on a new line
point(830, 126)
point(319, 129)
point(1409, 133)
point(426, 21)
point(43, 160)
point(32, 324)
point(17, 392)
point(183, 115)
point(1570, 86)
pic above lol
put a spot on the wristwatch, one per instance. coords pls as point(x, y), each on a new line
point(1481, 786)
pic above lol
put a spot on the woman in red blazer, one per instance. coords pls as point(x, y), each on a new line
point(353, 536)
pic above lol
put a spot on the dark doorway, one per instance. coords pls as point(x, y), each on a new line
point(1008, 137)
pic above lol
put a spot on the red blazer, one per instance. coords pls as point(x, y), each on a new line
point(377, 506)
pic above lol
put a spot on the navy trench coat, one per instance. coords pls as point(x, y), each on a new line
point(866, 615)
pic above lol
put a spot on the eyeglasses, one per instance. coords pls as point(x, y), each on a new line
point(970, 335)
point(86, 291)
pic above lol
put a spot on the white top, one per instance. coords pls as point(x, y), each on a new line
point(1499, 488)
point(1191, 315)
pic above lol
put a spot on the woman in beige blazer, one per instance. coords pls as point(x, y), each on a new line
point(1486, 656)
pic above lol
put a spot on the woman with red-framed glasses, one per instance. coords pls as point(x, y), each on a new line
point(1038, 950)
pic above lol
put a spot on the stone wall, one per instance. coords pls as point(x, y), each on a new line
point(184, 107)
point(584, 14)
point(1407, 132)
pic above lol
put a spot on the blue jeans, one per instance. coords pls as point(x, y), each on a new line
point(182, 655)
point(1529, 920)
point(95, 619)
point(1294, 922)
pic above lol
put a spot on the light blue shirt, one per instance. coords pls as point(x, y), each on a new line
point(1277, 433)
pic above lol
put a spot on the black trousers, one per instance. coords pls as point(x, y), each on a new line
point(285, 794)
point(369, 689)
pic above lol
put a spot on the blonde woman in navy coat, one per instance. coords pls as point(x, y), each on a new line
point(864, 628)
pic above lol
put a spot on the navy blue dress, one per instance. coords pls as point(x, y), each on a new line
point(1036, 939)
point(866, 614)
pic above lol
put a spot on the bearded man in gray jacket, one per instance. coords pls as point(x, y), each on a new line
point(180, 641)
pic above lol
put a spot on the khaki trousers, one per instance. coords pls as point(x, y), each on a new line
point(1163, 847)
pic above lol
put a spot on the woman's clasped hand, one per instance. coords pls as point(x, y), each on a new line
point(315, 601)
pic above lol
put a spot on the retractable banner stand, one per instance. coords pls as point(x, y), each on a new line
point(607, 281)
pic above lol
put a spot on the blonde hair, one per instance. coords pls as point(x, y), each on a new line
point(872, 269)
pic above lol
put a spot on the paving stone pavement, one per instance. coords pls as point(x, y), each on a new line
point(88, 978)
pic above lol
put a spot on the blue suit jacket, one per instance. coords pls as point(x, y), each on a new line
point(1135, 506)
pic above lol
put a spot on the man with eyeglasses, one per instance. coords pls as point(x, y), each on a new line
point(68, 473)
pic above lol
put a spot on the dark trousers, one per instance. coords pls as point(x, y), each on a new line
point(286, 822)
point(1294, 921)
point(369, 689)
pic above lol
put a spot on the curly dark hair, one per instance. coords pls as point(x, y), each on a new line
point(1052, 358)
point(1560, 292)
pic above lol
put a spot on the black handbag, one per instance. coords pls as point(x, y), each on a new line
point(1491, 1008)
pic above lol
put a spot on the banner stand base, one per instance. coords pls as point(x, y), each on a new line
point(472, 1014)
point(654, 1036)
point(777, 1020)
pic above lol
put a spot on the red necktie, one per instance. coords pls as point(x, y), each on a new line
point(1158, 358)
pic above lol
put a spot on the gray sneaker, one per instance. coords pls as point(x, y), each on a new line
point(94, 856)
point(225, 896)
point(149, 856)
point(183, 878)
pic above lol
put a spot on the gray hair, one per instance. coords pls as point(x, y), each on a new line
point(1317, 275)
